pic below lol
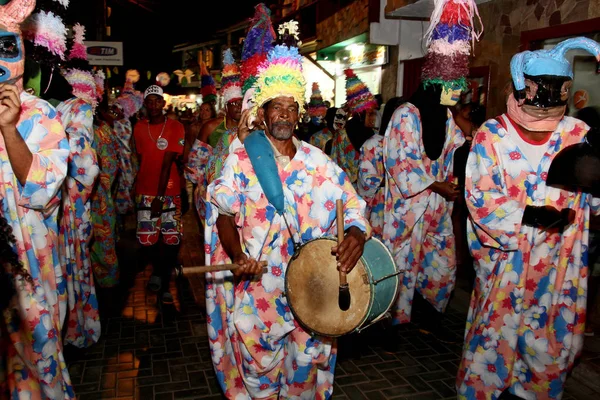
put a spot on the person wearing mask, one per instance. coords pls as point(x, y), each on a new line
point(528, 238)
point(371, 171)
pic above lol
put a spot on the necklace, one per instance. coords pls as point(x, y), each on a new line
point(161, 142)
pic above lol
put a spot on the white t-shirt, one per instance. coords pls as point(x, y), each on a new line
point(533, 151)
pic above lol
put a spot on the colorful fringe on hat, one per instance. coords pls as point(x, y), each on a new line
point(48, 34)
point(130, 100)
point(83, 84)
point(231, 87)
point(99, 78)
point(316, 106)
point(208, 89)
point(358, 96)
point(449, 40)
point(258, 43)
point(79, 73)
point(281, 75)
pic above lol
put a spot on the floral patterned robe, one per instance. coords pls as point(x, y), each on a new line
point(36, 364)
point(104, 213)
point(526, 320)
point(83, 321)
point(371, 182)
point(345, 155)
point(257, 347)
point(128, 165)
point(321, 138)
point(196, 173)
point(417, 226)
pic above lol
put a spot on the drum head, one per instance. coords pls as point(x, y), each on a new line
point(312, 286)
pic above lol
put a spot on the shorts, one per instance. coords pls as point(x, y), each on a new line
point(168, 223)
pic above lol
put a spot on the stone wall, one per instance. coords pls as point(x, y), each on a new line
point(505, 20)
point(348, 22)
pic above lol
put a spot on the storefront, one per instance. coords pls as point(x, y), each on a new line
point(365, 59)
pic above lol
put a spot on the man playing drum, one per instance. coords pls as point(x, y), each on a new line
point(258, 349)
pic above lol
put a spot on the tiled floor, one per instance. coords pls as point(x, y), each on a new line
point(147, 353)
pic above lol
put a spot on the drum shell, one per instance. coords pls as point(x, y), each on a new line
point(376, 263)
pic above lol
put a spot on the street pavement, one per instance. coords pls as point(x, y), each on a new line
point(150, 353)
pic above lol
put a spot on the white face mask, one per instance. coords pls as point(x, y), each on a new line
point(339, 121)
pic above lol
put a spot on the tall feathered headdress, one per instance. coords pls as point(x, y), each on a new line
point(358, 96)
point(449, 39)
point(45, 33)
point(130, 100)
point(316, 106)
point(258, 43)
point(231, 87)
point(281, 74)
point(208, 88)
point(78, 72)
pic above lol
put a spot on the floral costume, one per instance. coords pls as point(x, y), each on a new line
point(371, 181)
point(83, 322)
point(345, 155)
point(36, 365)
point(321, 138)
point(196, 173)
point(257, 348)
point(527, 315)
point(128, 164)
point(104, 214)
point(417, 225)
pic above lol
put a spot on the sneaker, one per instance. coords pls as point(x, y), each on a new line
point(154, 283)
point(167, 298)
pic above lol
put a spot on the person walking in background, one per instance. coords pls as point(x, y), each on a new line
point(371, 170)
point(159, 142)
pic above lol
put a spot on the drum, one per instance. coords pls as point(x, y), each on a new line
point(312, 282)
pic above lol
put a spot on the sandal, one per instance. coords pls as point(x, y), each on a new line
point(167, 298)
point(154, 283)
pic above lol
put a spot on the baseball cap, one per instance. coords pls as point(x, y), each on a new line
point(153, 89)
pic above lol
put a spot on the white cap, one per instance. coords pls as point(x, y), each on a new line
point(153, 89)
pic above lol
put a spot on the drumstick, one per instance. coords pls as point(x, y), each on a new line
point(344, 290)
point(217, 268)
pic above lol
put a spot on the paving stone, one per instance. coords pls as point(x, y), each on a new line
point(197, 380)
point(191, 393)
point(178, 373)
point(398, 391)
point(351, 379)
point(171, 387)
point(442, 389)
point(354, 393)
point(92, 374)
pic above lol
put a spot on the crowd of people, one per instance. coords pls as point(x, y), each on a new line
point(440, 187)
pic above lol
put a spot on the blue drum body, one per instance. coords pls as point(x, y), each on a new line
point(312, 287)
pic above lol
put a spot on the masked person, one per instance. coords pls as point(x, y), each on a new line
point(33, 154)
point(529, 240)
point(418, 155)
point(77, 116)
point(104, 212)
point(259, 350)
point(335, 120)
point(371, 171)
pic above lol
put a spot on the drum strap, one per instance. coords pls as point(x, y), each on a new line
point(262, 157)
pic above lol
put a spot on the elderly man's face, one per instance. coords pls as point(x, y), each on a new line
point(281, 116)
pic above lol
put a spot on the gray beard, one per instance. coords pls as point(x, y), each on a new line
point(282, 131)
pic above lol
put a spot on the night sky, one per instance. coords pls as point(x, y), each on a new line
point(150, 28)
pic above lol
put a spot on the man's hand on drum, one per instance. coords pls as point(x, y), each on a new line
point(351, 249)
point(248, 267)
